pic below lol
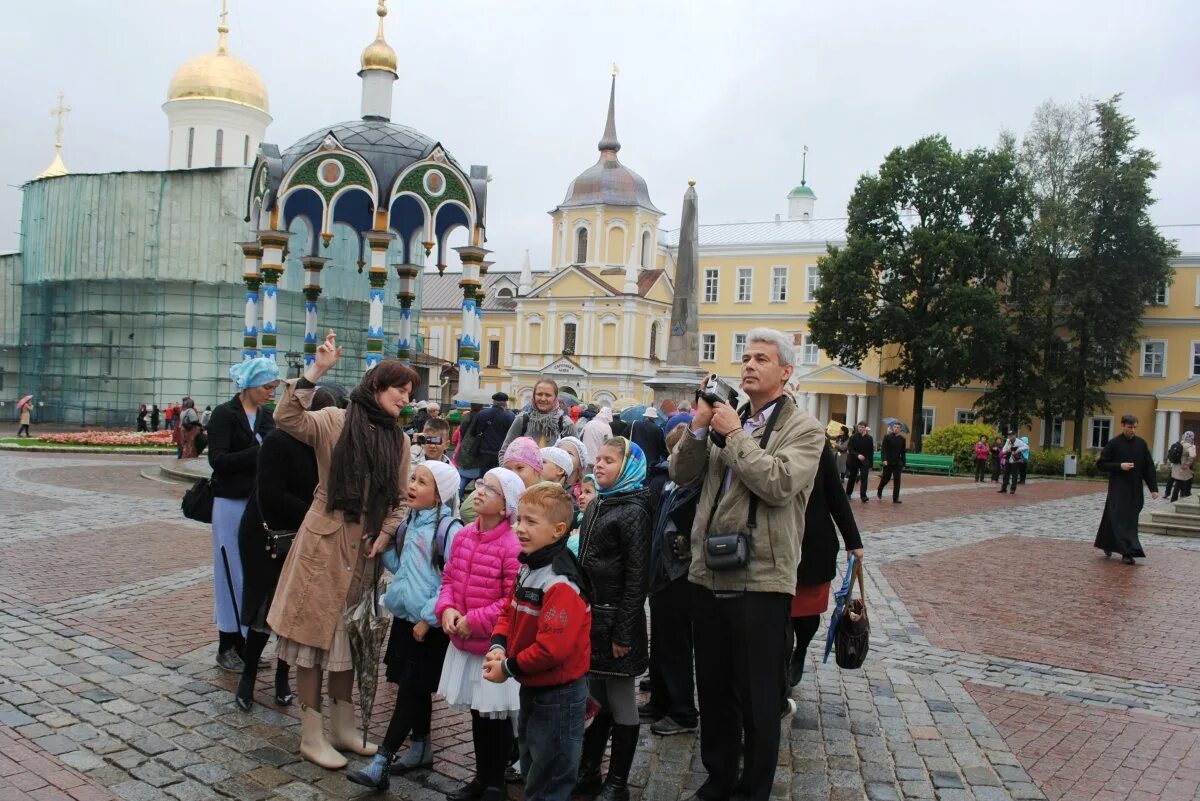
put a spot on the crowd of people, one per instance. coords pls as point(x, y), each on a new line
point(523, 548)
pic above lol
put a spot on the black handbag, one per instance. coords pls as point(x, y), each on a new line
point(732, 551)
point(197, 503)
point(853, 637)
point(278, 542)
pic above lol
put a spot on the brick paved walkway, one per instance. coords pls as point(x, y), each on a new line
point(1009, 659)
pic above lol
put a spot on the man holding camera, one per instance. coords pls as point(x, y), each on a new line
point(757, 469)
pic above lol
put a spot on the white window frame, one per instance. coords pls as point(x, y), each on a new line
point(1165, 289)
point(715, 274)
point(810, 354)
point(1058, 431)
point(1092, 430)
point(812, 282)
point(926, 430)
point(708, 347)
point(736, 354)
point(746, 274)
point(779, 289)
point(1142, 358)
point(1195, 358)
point(958, 415)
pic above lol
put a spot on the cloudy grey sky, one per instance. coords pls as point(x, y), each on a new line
point(721, 91)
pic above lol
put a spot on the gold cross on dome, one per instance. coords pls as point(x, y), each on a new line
point(225, 14)
point(59, 112)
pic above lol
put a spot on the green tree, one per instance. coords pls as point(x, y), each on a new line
point(1120, 262)
point(928, 240)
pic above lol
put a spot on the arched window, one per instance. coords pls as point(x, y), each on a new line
point(504, 292)
point(219, 155)
point(246, 151)
point(581, 246)
point(568, 347)
point(646, 259)
point(654, 340)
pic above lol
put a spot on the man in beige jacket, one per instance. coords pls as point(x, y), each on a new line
point(740, 614)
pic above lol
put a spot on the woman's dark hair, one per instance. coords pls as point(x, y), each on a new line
point(391, 373)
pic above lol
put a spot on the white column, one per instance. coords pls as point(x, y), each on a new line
point(864, 410)
point(823, 407)
point(377, 277)
point(851, 411)
point(273, 243)
point(1175, 418)
point(1160, 436)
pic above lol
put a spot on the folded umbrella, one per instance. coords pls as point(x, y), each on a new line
point(366, 627)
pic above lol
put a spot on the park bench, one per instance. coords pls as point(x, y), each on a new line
point(923, 463)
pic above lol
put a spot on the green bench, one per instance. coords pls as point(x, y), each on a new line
point(923, 463)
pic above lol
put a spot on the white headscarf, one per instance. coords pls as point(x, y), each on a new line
point(512, 485)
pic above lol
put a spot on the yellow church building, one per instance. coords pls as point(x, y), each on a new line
point(596, 317)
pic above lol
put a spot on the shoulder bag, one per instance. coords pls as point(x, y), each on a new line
point(197, 503)
point(852, 639)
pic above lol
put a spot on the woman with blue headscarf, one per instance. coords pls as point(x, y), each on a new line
point(614, 552)
point(235, 431)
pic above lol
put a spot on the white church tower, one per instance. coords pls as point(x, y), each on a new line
point(802, 200)
point(216, 109)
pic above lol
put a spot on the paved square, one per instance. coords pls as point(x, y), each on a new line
point(1008, 659)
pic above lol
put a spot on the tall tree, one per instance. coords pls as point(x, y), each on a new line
point(1120, 263)
point(928, 239)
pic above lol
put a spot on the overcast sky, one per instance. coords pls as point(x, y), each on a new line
point(723, 92)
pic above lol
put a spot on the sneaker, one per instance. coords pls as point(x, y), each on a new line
point(668, 726)
point(230, 661)
point(789, 709)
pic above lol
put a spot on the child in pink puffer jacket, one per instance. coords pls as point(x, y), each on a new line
point(476, 583)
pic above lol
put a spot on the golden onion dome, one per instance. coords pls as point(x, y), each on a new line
point(219, 76)
point(379, 55)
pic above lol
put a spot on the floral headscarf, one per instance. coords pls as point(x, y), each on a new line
point(633, 470)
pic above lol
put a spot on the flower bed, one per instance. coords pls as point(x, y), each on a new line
point(129, 439)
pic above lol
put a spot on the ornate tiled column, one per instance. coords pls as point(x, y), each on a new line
point(468, 349)
point(407, 274)
point(377, 274)
point(252, 253)
point(312, 290)
point(274, 243)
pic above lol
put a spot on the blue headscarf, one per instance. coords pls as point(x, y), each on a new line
point(633, 470)
point(254, 373)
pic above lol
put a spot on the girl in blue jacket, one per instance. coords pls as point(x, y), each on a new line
point(417, 645)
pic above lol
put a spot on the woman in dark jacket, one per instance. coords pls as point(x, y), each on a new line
point(154, 416)
point(235, 431)
point(286, 480)
point(827, 505)
point(614, 552)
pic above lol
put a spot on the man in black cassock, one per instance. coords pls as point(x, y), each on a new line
point(1126, 459)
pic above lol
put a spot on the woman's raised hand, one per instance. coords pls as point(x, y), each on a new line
point(328, 353)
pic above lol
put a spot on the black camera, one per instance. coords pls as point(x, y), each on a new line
point(425, 439)
point(716, 390)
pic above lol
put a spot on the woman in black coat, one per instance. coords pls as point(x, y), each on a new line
point(284, 486)
point(235, 431)
point(827, 505)
point(614, 552)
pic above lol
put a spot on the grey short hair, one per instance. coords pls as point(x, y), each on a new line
point(787, 353)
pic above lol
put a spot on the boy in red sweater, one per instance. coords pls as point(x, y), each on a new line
point(543, 640)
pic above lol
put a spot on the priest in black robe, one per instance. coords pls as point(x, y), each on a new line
point(1126, 458)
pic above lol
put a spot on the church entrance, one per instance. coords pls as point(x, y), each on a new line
point(568, 390)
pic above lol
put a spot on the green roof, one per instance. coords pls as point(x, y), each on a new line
point(802, 191)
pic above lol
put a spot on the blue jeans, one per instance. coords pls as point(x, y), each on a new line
point(550, 730)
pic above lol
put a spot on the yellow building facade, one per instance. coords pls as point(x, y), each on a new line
point(596, 317)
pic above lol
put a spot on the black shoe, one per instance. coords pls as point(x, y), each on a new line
point(879, 495)
point(1108, 554)
point(795, 672)
point(897, 500)
point(1012, 491)
point(1128, 560)
point(865, 499)
point(1002, 491)
point(624, 746)
point(471, 791)
point(286, 699)
point(243, 703)
point(595, 740)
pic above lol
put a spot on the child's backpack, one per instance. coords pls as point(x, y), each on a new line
point(1175, 453)
point(437, 556)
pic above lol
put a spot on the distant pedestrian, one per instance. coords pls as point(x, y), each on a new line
point(859, 459)
point(1127, 460)
point(894, 451)
point(1023, 465)
point(169, 417)
point(682, 415)
point(155, 416)
point(545, 422)
point(1181, 471)
point(649, 437)
point(189, 430)
point(1014, 453)
point(491, 426)
point(596, 432)
point(26, 417)
point(205, 416)
point(142, 415)
point(982, 452)
point(841, 447)
point(997, 449)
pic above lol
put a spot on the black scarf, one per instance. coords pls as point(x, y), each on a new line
point(364, 482)
point(565, 564)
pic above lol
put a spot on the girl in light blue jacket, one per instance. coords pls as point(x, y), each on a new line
point(417, 645)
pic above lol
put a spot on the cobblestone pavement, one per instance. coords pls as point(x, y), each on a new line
point(1009, 659)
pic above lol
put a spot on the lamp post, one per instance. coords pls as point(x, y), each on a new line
point(295, 363)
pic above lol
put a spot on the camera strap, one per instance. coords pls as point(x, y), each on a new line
point(752, 517)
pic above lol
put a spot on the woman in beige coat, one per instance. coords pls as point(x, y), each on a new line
point(362, 467)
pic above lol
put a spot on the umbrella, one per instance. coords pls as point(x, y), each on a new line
point(839, 598)
point(366, 626)
point(567, 400)
point(23, 401)
point(888, 421)
point(634, 413)
point(834, 429)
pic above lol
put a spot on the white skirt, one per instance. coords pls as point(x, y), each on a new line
point(464, 687)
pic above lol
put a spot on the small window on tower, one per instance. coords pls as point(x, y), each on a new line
point(246, 151)
point(581, 246)
point(191, 145)
point(218, 155)
point(568, 339)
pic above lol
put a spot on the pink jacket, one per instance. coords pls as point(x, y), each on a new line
point(982, 451)
point(478, 581)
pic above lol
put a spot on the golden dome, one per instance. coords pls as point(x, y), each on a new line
point(379, 55)
point(219, 76)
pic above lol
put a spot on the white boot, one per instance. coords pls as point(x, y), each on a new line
point(313, 745)
point(343, 734)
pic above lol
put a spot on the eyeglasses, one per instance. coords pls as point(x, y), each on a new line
point(484, 489)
